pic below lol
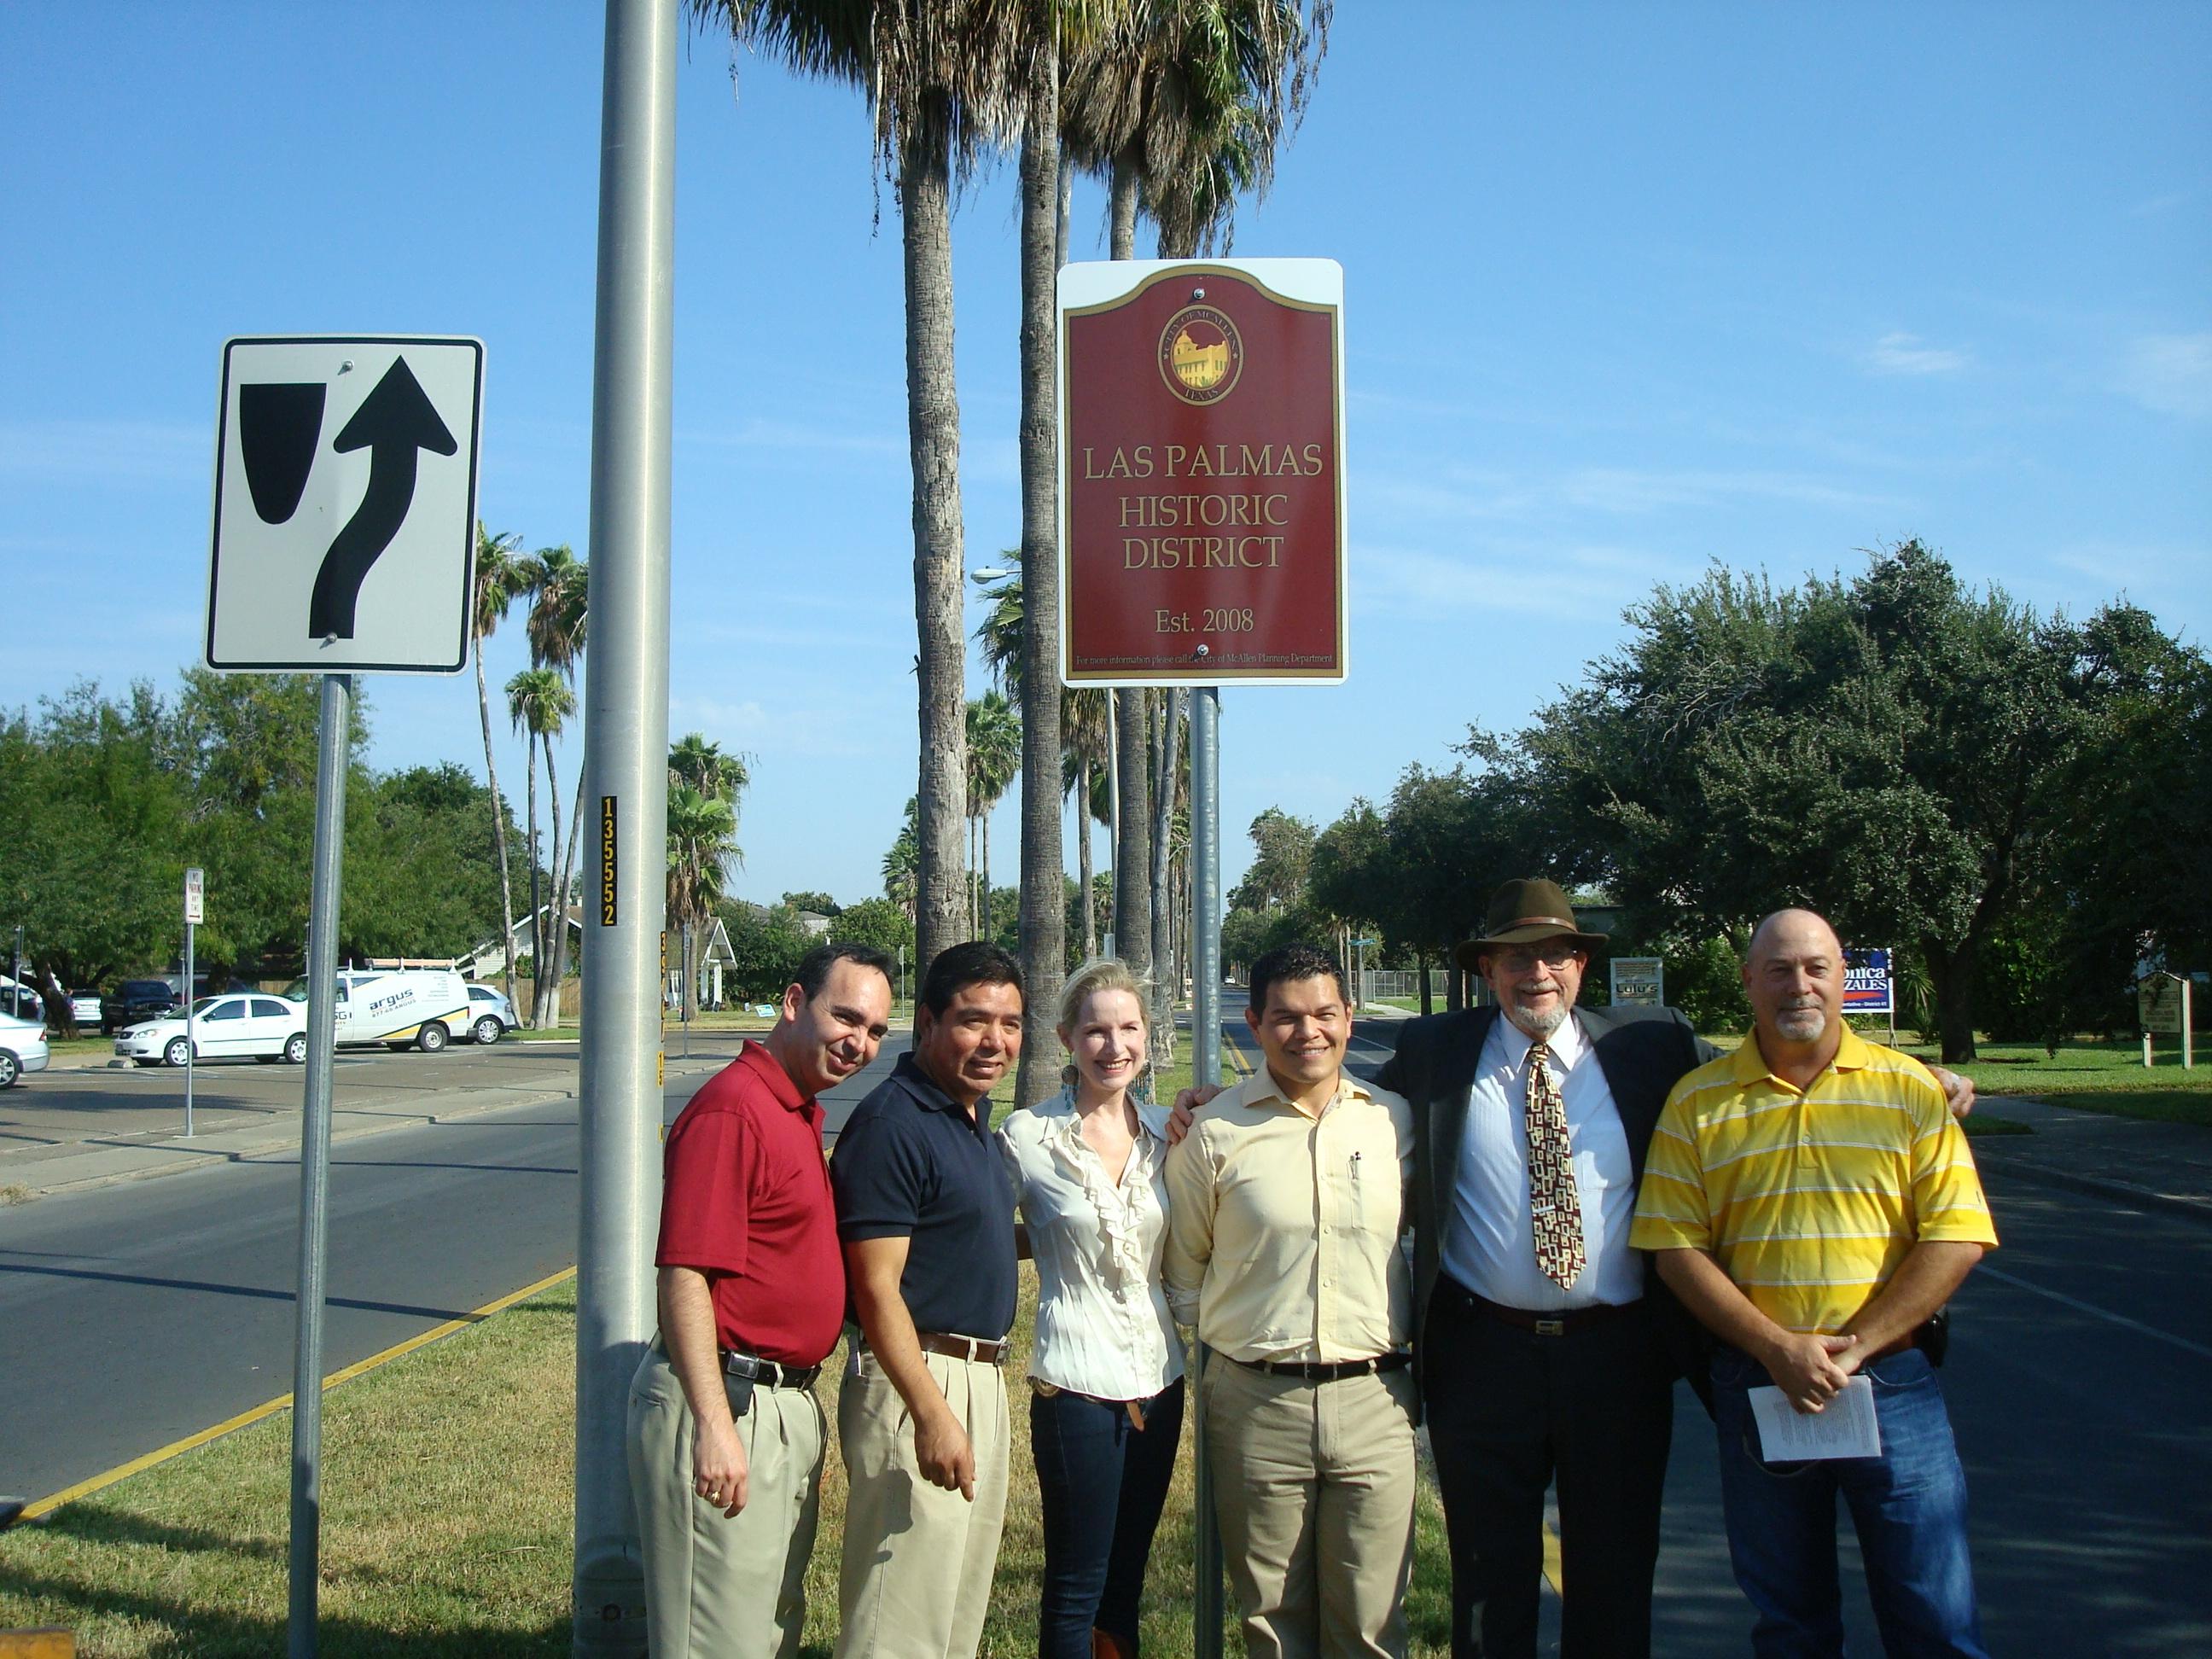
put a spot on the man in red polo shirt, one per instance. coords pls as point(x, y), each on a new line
point(724, 1434)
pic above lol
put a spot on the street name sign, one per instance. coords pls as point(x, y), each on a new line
point(1201, 472)
point(345, 484)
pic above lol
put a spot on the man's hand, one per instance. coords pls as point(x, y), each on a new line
point(718, 1466)
point(1957, 1090)
point(946, 1458)
point(1810, 1371)
point(1186, 1108)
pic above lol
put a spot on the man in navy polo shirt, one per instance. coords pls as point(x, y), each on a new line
point(725, 1435)
point(926, 1211)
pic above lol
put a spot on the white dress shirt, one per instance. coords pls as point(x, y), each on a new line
point(1103, 1326)
point(1489, 1244)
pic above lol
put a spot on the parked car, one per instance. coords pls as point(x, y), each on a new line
point(22, 1048)
point(239, 1025)
point(84, 1008)
point(133, 1001)
point(492, 1015)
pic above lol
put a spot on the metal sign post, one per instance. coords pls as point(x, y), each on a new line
point(343, 541)
point(315, 1160)
point(1205, 1067)
point(195, 913)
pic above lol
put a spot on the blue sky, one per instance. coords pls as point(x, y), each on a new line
point(1627, 289)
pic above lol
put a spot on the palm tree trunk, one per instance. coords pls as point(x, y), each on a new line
point(1044, 851)
point(566, 880)
point(549, 969)
point(983, 887)
point(1083, 871)
point(933, 443)
point(536, 912)
point(1122, 236)
point(499, 836)
point(1133, 857)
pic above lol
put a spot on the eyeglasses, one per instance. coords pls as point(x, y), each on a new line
point(1552, 953)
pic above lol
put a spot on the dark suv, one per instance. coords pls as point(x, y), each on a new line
point(133, 1000)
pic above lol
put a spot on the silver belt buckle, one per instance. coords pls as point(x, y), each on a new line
point(1551, 1328)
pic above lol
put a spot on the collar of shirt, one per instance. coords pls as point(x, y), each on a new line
point(1748, 1066)
point(777, 1081)
point(922, 1090)
point(1151, 1121)
point(1568, 1045)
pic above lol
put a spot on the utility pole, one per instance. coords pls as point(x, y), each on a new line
point(626, 755)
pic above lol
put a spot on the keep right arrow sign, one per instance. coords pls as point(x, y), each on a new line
point(345, 504)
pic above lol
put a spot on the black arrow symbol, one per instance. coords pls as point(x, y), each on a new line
point(393, 422)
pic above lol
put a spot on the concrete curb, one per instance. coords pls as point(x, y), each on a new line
point(211, 1157)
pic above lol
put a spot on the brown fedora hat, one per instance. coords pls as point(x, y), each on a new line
point(1523, 912)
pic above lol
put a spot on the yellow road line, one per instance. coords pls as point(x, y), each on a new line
point(1552, 1560)
point(1233, 1052)
point(283, 1401)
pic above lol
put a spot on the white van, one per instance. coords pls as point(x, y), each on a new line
point(422, 1006)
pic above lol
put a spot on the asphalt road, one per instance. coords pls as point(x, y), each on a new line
point(137, 1314)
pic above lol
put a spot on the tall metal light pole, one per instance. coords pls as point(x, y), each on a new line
point(1205, 1067)
point(626, 759)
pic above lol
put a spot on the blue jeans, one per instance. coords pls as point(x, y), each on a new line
point(1102, 1484)
point(1909, 1505)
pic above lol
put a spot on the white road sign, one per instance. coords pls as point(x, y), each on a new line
point(196, 895)
point(345, 487)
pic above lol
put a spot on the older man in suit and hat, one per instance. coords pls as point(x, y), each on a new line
point(1546, 1348)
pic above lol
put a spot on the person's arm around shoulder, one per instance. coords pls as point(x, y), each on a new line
point(687, 1331)
point(941, 1450)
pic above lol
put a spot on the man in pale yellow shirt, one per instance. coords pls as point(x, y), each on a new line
point(1286, 1205)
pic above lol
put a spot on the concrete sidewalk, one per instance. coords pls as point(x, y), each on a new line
point(2129, 1161)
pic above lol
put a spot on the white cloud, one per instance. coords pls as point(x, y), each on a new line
point(2170, 373)
point(1905, 354)
point(1584, 583)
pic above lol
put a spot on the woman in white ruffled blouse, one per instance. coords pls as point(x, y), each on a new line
point(1107, 1369)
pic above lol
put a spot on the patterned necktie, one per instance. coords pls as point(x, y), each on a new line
point(1555, 1205)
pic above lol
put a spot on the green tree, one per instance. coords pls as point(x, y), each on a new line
point(903, 865)
point(702, 844)
point(539, 703)
point(821, 903)
point(1282, 855)
point(559, 586)
point(765, 947)
point(878, 922)
point(704, 767)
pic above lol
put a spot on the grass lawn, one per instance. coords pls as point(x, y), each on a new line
point(447, 1486)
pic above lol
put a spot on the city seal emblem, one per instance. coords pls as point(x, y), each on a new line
point(1201, 353)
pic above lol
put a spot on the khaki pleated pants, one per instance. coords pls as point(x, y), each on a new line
point(1313, 1485)
point(916, 1580)
point(731, 1587)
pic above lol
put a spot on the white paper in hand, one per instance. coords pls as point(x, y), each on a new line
point(1846, 1428)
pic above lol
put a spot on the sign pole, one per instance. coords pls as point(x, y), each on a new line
point(626, 758)
point(1205, 1067)
point(315, 1161)
point(190, 1042)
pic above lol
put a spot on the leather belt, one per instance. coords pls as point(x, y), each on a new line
point(1329, 1371)
point(974, 1349)
point(769, 1371)
point(1559, 1323)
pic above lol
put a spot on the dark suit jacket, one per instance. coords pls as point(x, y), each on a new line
point(1642, 1052)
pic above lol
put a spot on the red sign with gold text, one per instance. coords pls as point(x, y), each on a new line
point(1202, 473)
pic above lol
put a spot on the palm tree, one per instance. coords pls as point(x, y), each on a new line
point(703, 765)
point(942, 82)
point(902, 865)
point(539, 702)
point(995, 757)
point(702, 844)
point(497, 579)
point(559, 586)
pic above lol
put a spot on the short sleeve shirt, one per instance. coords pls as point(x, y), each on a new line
point(1809, 1199)
point(910, 1164)
point(745, 1199)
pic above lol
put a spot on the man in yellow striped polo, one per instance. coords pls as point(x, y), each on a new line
point(1811, 1200)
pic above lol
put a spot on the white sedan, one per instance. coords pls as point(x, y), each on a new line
point(22, 1048)
point(239, 1025)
